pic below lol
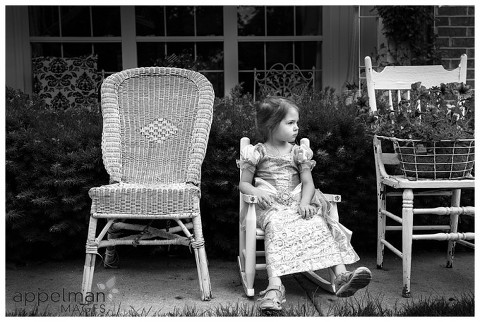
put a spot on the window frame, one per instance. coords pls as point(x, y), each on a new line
point(230, 40)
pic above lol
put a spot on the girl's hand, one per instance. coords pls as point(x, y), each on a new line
point(265, 199)
point(306, 211)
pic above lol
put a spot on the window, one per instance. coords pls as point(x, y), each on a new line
point(183, 36)
point(71, 31)
point(278, 34)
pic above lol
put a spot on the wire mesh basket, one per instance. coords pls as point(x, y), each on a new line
point(447, 159)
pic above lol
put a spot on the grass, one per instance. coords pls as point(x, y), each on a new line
point(463, 305)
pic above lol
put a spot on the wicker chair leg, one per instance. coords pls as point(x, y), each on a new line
point(201, 260)
point(91, 253)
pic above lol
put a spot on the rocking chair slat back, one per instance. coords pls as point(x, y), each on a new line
point(397, 80)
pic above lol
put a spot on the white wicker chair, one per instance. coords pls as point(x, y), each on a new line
point(156, 123)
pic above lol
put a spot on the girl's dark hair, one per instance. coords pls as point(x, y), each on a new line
point(270, 112)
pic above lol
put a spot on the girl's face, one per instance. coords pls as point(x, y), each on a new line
point(287, 129)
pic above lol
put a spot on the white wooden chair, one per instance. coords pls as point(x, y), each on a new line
point(283, 80)
point(395, 80)
point(156, 123)
point(250, 234)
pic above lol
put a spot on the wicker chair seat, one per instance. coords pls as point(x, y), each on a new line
point(145, 199)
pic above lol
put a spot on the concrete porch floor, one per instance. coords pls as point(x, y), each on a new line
point(159, 285)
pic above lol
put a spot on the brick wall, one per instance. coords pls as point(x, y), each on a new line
point(455, 27)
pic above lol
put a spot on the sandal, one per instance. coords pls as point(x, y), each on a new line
point(346, 284)
point(275, 303)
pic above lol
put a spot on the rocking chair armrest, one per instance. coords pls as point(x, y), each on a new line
point(332, 198)
point(250, 199)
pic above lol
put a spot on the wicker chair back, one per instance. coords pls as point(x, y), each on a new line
point(156, 125)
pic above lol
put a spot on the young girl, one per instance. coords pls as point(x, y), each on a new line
point(299, 234)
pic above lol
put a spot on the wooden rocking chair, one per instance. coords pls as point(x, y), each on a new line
point(156, 123)
point(249, 235)
point(393, 80)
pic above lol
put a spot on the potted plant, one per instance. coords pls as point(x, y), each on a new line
point(432, 131)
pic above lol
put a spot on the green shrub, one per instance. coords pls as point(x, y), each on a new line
point(345, 165)
point(53, 158)
point(233, 118)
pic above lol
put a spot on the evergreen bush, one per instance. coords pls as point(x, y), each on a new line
point(53, 158)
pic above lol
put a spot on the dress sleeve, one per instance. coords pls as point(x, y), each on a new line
point(249, 157)
point(302, 155)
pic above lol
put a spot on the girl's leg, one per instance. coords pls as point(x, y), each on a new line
point(274, 295)
point(339, 269)
point(274, 281)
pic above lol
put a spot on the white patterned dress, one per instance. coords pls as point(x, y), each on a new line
point(294, 244)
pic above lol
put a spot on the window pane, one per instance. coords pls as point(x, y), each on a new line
point(75, 21)
point(149, 21)
point(279, 52)
point(367, 11)
point(47, 49)
point(308, 54)
point(251, 21)
point(43, 21)
point(181, 48)
point(109, 56)
point(180, 21)
point(210, 55)
point(150, 54)
point(106, 21)
point(246, 79)
point(77, 49)
point(309, 20)
point(217, 82)
point(209, 21)
point(368, 41)
point(279, 21)
point(250, 55)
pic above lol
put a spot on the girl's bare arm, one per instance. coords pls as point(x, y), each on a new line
point(308, 187)
point(265, 199)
